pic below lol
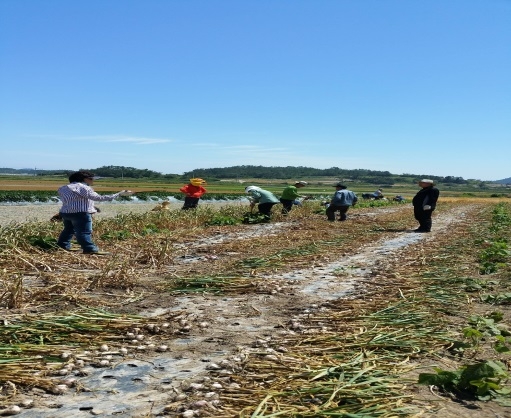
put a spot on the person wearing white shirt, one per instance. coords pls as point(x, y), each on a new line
point(78, 199)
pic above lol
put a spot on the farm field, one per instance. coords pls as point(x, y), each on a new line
point(197, 314)
point(316, 187)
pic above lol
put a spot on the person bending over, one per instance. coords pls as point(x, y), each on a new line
point(263, 198)
point(289, 196)
point(341, 202)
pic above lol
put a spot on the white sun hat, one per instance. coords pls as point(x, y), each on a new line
point(249, 189)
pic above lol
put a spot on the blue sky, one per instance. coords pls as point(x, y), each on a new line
point(406, 86)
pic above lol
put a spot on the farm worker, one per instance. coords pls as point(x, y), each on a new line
point(193, 192)
point(378, 194)
point(78, 199)
point(264, 198)
point(290, 195)
point(161, 207)
point(424, 203)
point(342, 200)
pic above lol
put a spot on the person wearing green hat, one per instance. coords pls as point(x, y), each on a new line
point(290, 194)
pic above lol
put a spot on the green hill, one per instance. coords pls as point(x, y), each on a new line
point(289, 172)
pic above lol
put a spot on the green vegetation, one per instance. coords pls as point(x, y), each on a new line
point(486, 337)
point(254, 218)
point(246, 172)
point(360, 175)
point(482, 379)
point(44, 243)
point(52, 196)
point(27, 196)
point(496, 253)
point(45, 189)
point(220, 219)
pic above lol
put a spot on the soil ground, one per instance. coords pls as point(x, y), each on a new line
point(205, 334)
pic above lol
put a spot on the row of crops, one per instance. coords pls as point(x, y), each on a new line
point(46, 196)
point(49, 196)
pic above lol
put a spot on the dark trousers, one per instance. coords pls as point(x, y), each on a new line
point(265, 209)
point(287, 205)
point(330, 212)
point(424, 219)
point(190, 203)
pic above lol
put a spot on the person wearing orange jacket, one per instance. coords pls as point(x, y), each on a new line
point(193, 192)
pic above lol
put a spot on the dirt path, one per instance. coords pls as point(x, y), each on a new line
point(41, 212)
point(217, 332)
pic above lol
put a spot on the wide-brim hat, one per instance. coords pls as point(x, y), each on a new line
point(427, 181)
point(339, 185)
point(249, 189)
point(197, 182)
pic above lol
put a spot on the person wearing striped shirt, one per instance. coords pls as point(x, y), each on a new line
point(78, 199)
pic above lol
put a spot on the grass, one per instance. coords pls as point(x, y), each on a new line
point(317, 187)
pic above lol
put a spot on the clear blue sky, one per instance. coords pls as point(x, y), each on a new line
point(408, 86)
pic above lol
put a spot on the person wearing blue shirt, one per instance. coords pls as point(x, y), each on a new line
point(378, 194)
point(341, 202)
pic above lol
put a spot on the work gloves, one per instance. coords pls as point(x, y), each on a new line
point(126, 193)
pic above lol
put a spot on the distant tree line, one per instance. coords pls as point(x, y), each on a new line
point(32, 171)
point(289, 172)
point(382, 178)
point(105, 171)
point(129, 172)
point(504, 181)
point(261, 172)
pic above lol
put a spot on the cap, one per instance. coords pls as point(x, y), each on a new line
point(427, 181)
point(340, 185)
